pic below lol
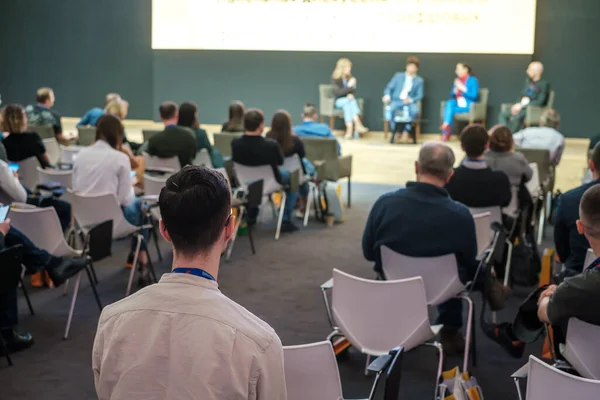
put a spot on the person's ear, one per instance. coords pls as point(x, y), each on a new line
point(163, 231)
point(449, 176)
point(462, 146)
point(417, 168)
point(229, 229)
point(592, 166)
point(580, 227)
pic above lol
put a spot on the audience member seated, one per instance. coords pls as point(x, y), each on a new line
point(20, 144)
point(236, 118)
point(416, 221)
point(344, 90)
point(474, 183)
point(147, 337)
point(311, 128)
point(173, 140)
point(571, 246)
point(253, 150)
point(35, 260)
point(546, 136)
point(119, 108)
point(92, 116)
point(188, 118)
point(101, 168)
point(501, 156)
point(41, 114)
point(534, 93)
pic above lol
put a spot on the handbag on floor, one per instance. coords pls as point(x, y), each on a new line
point(457, 386)
point(328, 201)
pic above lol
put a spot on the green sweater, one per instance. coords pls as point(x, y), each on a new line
point(174, 141)
point(536, 91)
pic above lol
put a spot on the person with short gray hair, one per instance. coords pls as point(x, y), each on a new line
point(421, 220)
point(546, 136)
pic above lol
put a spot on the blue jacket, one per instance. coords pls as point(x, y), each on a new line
point(472, 93)
point(570, 245)
point(315, 129)
point(394, 87)
point(416, 221)
point(91, 117)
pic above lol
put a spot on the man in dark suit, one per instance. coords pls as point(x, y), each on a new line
point(534, 93)
point(403, 92)
point(173, 140)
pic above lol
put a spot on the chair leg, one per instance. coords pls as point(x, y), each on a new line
point(309, 200)
point(88, 270)
point(73, 301)
point(235, 231)
point(469, 331)
point(473, 341)
point(440, 350)
point(5, 349)
point(251, 239)
point(349, 193)
point(134, 266)
point(93, 272)
point(280, 219)
point(508, 262)
point(331, 122)
point(146, 247)
point(386, 127)
point(26, 294)
point(367, 364)
point(155, 237)
point(321, 118)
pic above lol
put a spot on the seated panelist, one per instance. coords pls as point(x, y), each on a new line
point(344, 89)
point(465, 92)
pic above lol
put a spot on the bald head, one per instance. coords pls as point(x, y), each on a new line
point(535, 70)
point(435, 160)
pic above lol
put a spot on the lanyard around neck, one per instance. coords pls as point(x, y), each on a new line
point(194, 271)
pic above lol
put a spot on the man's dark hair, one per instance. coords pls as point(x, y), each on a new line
point(589, 211)
point(110, 129)
point(474, 139)
point(596, 156)
point(195, 206)
point(43, 94)
point(413, 60)
point(252, 119)
point(167, 110)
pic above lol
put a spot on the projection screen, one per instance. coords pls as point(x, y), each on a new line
point(419, 26)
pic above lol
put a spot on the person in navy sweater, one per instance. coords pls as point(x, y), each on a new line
point(465, 91)
point(421, 220)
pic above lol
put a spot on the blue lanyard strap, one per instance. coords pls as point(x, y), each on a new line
point(194, 271)
point(594, 265)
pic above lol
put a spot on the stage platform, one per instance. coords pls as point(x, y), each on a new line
point(377, 161)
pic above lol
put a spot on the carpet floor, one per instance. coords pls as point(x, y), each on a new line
point(280, 284)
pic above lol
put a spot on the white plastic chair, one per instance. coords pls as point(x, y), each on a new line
point(545, 382)
point(161, 164)
point(28, 174)
point(64, 178)
point(223, 172)
point(247, 174)
point(203, 158)
point(512, 209)
point(581, 349)
point(376, 316)
point(152, 187)
point(53, 150)
point(93, 210)
point(42, 227)
point(294, 163)
point(534, 185)
point(590, 257)
point(69, 153)
point(495, 213)
point(440, 279)
point(483, 232)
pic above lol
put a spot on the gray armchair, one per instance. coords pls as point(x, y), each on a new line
point(222, 141)
point(478, 110)
point(322, 152)
point(86, 135)
point(533, 114)
point(327, 104)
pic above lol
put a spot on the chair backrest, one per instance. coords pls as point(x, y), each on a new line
point(323, 149)
point(148, 133)
point(64, 178)
point(154, 184)
point(311, 372)
point(495, 213)
point(170, 164)
point(590, 257)
point(203, 158)
point(484, 94)
point(52, 149)
point(534, 184)
point(28, 174)
point(550, 102)
point(42, 227)
point(247, 174)
point(513, 207)
point(10, 273)
point(86, 135)
point(326, 99)
point(581, 348)
point(45, 131)
point(545, 382)
point(223, 172)
point(483, 231)
point(222, 142)
point(293, 163)
point(92, 210)
point(363, 309)
point(542, 158)
point(439, 274)
point(69, 153)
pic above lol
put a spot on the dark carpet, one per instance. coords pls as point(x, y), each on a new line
point(280, 284)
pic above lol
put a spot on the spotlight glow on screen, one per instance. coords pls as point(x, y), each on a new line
point(420, 26)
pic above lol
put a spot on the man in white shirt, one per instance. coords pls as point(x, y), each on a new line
point(182, 338)
point(546, 136)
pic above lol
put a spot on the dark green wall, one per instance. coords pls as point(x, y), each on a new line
point(85, 48)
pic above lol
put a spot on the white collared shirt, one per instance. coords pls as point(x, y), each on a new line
point(408, 83)
point(99, 169)
point(183, 339)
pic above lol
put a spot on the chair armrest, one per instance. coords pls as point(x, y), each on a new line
point(327, 285)
point(321, 167)
point(533, 114)
point(478, 111)
point(345, 166)
point(380, 363)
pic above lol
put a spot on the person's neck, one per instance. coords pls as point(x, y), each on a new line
point(309, 120)
point(481, 157)
point(536, 78)
point(411, 75)
point(43, 105)
point(596, 175)
point(595, 245)
point(432, 180)
point(168, 122)
point(208, 262)
point(254, 133)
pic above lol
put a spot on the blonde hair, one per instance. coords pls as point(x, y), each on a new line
point(117, 107)
point(111, 97)
point(340, 66)
point(43, 94)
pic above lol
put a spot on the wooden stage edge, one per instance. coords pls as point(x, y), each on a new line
point(377, 161)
